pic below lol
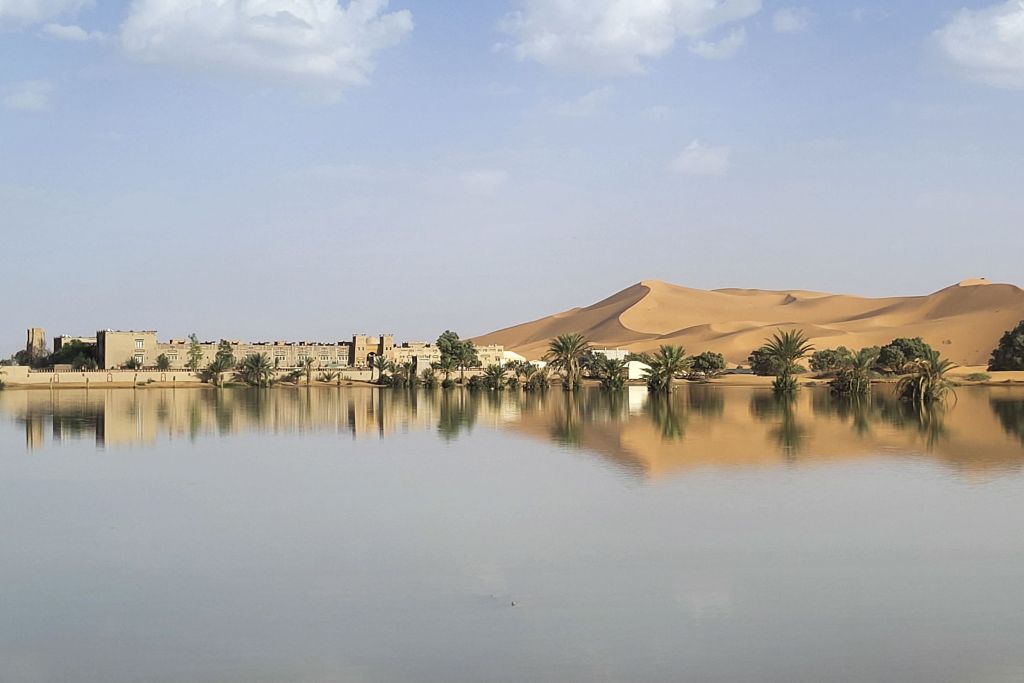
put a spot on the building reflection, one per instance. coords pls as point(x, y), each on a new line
point(698, 426)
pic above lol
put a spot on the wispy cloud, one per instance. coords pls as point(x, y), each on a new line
point(699, 159)
point(20, 13)
point(791, 20)
point(588, 104)
point(317, 42)
point(987, 44)
point(28, 96)
point(724, 48)
point(611, 36)
point(71, 32)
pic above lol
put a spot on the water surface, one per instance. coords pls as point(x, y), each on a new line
point(365, 535)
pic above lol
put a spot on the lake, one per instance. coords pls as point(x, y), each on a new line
point(327, 535)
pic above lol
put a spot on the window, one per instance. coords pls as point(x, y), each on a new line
point(140, 343)
point(139, 358)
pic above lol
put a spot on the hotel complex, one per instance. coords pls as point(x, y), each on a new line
point(116, 348)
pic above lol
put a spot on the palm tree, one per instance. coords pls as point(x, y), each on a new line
point(927, 382)
point(566, 353)
point(494, 376)
point(382, 365)
point(307, 364)
point(785, 348)
point(854, 379)
point(329, 376)
point(428, 378)
point(664, 366)
point(256, 370)
point(446, 365)
point(536, 377)
point(611, 371)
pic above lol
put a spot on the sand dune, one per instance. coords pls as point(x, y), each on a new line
point(964, 321)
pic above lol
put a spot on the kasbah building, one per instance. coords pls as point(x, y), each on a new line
point(115, 348)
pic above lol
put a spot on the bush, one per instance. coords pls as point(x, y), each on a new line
point(784, 384)
point(707, 364)
point(849, 382)
point(447, 384)
point(762, 363)
point(899, 353)
point(978, 377)
point(831, 360)
point(1009, 355)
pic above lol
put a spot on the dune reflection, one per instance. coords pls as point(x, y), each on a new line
point(698, 426)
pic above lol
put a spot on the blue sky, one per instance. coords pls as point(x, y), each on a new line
point(312, 168)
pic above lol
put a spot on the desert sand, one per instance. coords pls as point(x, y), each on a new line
point(964, 321)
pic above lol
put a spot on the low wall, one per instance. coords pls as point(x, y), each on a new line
point(23, 376)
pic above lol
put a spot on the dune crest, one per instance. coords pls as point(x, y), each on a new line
point(964, 321)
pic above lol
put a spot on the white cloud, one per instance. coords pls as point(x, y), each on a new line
point(588, 103)
point(725, 48)
point(71, 33)
point(614, 36)
point(484, 180)
point(28, 96)
point(702, 160)
point(28, 12)
point(316, 41)
point(791, 20)
point(988, 44)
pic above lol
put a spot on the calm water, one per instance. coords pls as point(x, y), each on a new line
point(346, 535)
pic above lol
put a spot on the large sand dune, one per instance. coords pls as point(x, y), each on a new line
point(964, 321)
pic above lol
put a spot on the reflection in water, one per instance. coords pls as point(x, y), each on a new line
point(697, 426)
point(1010, 412)
point(780, 411)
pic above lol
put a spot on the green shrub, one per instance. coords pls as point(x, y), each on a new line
point(830, 360)
point(1009, 355)
point(707, 364)
point(978, 377)
point(897, 355)
point(763, 363)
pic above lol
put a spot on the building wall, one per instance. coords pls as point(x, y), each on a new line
point(35, 341)
point(59, 342)
point(115, 347)
point(365, 348)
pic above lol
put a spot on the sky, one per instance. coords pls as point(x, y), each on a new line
point(308, 169)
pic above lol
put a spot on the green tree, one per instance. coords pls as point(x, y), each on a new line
point(256, 370)
point(536, 377)
point(195, 353)
point(762, 363)
point(831, 360)
point(612, 372)
point(163, 362)
point(853, 379)
point(785, 348)
point(494, 376)
point(214, 371)
point(225, 357)
point(446, 366)
point(132, 363)
point(382, 365)
point(1009, 354)
point(926, 382)
point(707, 364)
point(566, 353)
point(899, 354)
point(466, 358)
point(669, 363)
point(307, 364)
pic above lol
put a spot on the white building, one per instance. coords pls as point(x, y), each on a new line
point(612, 354)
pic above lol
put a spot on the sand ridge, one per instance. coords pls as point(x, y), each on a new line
point(964, 321)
